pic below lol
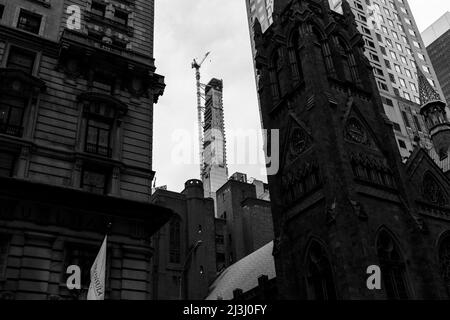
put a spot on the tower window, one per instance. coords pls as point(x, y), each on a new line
point(21, 59)
point(174, 241)
point(29, 21)
point(392, 267)
point(320, 276)
point(275, 71)
point(2, 9)
point(294, 57)
point(345, 60)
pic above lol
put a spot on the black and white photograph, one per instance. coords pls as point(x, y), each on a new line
point(224, 156)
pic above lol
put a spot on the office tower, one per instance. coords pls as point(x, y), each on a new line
point(393, 46)
point(78, 85)
point(215, 171)
point(437, 41)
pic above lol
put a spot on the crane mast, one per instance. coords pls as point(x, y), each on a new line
point(197, 66)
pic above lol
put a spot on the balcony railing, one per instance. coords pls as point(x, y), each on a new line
point(11, 130)
point(99, 150)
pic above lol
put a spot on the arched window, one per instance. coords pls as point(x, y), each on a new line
point(320, 277)
point(432, 192)
point(392, 267)
point(275, 70)
point(345, 59)
point(319, 48)
point(294, 56)
point(175, 241)
point(444, 260)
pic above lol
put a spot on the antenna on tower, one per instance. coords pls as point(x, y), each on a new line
point(197, 65)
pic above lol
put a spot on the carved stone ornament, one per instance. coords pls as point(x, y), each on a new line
point(355, 131)
point(358, 210)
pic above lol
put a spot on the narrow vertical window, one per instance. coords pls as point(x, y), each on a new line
point(175, 241)
point(294, 57)
point(275, 67)
point(392, 267)
point(345, 60)
point(320, 277)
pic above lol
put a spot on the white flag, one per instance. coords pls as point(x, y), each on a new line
point(97, 286)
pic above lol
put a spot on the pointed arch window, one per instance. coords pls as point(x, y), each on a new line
point(175, 241)
point(275, 70)
point(444, 260)
point(294, 56)
point(344, 59)
point(320, 276)
point(392, 266)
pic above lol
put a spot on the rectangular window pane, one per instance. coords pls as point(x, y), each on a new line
point(6, 164)
point(29, 21)
point(21, 59)
point(94, 182)
point(98, 138)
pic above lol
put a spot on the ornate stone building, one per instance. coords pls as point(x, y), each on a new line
point(77, 88)
point(343, 200)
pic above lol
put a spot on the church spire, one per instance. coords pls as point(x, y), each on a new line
point(427, 93)
point(433, 110)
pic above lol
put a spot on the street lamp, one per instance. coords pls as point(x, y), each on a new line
point(186, 264)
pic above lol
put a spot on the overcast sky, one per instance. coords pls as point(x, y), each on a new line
point(187, 29)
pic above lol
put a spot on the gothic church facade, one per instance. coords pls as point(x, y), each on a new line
point(343, 200)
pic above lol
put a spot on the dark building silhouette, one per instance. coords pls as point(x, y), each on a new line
point(343, 200)
point(195, 248)
point(185, 255)
point(76, 115)
point(248, 218)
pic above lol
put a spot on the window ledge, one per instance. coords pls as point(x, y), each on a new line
point(44, 3)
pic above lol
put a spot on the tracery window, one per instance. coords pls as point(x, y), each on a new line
point(320, 276)
point(344, 60)
point(294, 57)
point(392, 267)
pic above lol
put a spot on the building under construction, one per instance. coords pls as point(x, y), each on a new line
point(215, 171)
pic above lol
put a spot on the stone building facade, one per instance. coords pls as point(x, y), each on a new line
point(343, 200)
point(77, 89)
point(185, 255)
point(248, 219)
point(195, 248)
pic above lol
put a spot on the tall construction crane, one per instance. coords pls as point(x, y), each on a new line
point(197, 65)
